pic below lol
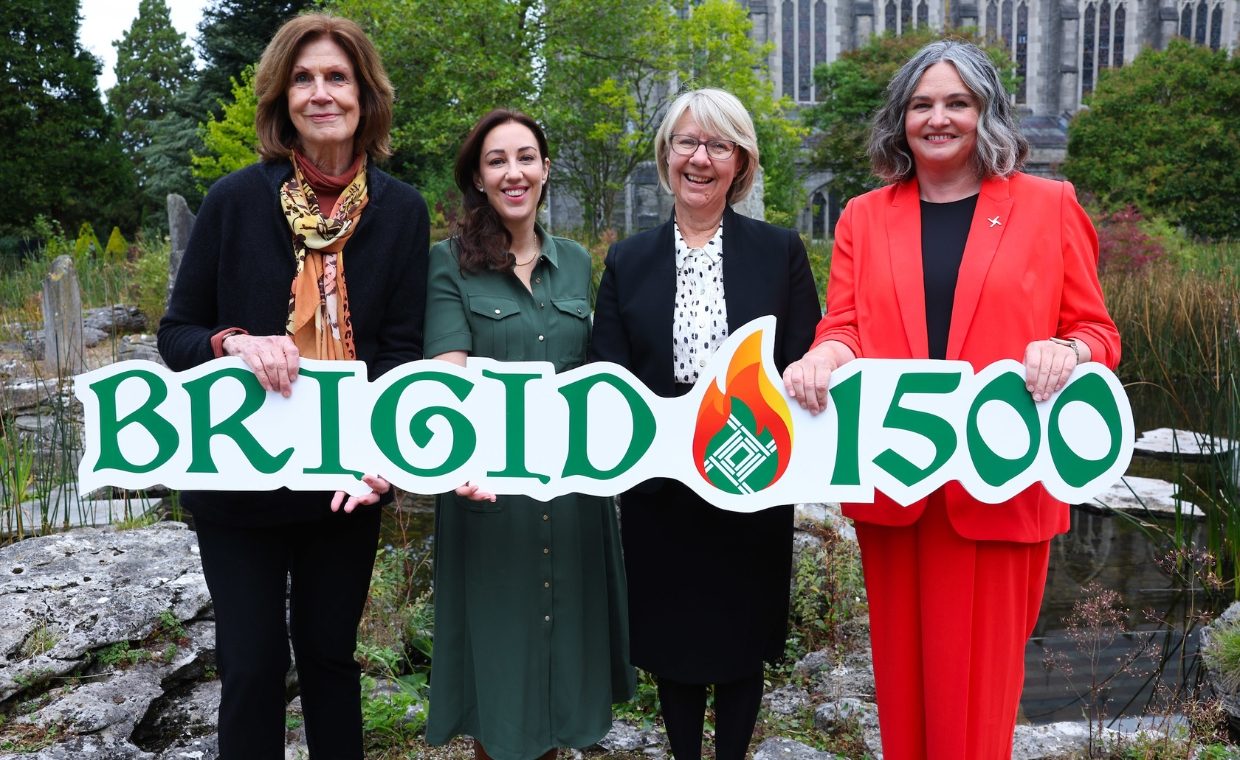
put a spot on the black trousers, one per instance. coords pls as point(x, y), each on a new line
point(736, 712)
point(247, 571)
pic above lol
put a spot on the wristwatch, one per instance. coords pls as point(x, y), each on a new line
point(1070, 343)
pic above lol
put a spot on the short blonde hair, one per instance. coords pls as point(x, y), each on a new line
point(276, 135)
point(720, 114)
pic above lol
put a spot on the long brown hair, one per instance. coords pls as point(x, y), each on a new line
point(485, 243)
point(276, 135)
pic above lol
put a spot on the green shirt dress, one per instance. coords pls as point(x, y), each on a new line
point(531, 625)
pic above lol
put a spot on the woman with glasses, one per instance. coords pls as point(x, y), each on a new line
point(708, 588)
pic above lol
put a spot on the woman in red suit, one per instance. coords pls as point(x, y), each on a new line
point(961, 257)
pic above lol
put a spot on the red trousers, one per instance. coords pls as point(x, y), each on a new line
point(949, 618)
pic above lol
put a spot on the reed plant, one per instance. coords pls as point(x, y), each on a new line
point(1179, 319)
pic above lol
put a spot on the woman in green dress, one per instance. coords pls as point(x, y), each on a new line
point(531, 629)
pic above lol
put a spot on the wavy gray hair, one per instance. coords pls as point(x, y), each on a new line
point(722, 115)
point(1000, 148)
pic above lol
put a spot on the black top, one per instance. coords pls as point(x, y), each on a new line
point(694, 570)
point(237, 271)
point(944, 231)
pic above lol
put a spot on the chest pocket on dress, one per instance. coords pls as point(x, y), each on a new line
point(496, 327)
point(573, 329)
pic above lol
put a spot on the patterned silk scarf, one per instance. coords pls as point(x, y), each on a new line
point(318, 305)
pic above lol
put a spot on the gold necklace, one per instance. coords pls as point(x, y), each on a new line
point(532, 257)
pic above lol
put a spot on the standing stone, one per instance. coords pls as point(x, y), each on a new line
point(62, 320)
point(180, 223)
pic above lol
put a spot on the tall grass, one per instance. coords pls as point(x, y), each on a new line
point(1179, 319)
point(40, 470)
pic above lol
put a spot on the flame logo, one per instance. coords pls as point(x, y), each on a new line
point(743, 440)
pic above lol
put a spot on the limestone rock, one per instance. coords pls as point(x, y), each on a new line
point(787, 749)
point(79, 591)
point(1050, 741)
point(626, 738)
point(786, 700)
point(118, 319)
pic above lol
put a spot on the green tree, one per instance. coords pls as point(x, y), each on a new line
point(460, 59)
point(153, 63)
point(609, 67)
point(851, 89)
point(232, 35)
point(175, 138)
point(1162, 134)
point(231, 141)
point(59, 158)
point(716, 50)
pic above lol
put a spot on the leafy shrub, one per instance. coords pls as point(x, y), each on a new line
point(117, 248)
point(87, 245)
point(1124, 245)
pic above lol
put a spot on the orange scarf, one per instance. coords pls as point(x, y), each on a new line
point(318, 306)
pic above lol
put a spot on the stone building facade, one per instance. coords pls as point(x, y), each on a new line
point(1059, 46)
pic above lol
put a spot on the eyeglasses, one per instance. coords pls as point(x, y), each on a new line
point(687, 145)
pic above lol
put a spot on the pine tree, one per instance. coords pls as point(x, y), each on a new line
point(59, 158)
point(232, 36)
point(153, 63)
point(153, 66)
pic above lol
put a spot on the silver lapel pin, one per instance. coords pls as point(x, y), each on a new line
point(994, 221)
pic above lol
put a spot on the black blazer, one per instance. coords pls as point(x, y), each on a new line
point(765, 271)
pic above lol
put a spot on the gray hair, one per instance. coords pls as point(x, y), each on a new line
point(722, 115)
point(1000, 148)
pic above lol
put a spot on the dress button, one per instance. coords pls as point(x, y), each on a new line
point(497, 311)
point(546, 550)
point(546, 516)
point(537, 279)
point(541, 339)
point(547, 618)
point(546, 584)
point(541, 305)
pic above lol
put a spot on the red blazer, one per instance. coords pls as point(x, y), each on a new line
point(1029, 272)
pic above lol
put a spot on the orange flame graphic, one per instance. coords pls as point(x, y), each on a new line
point(748, 383)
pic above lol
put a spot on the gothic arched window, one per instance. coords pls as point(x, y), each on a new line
point(789, 51)
point(1022, 51)
point(1117, 51)
point(906, 15)
point(818, 210)
point(1199, 29)
point(806, 69)
point(992, 21)
point(1186, 22)
point(1216, 27)
point(1104, 35)
point(923, 14)
point(1090, 40)
point(820, 32)
point(889, 15)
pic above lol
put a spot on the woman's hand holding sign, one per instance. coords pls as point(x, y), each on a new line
point(273, 358)
point(807, 379)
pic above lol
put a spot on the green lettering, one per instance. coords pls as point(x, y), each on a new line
point(995, 470)
point(383, 424)
point(202, 431)
point(1076, 471)
point(514, 426)
point(930, 426)
point(329, 422)
point(161, 430)
point(846, 397)
point(578, 460)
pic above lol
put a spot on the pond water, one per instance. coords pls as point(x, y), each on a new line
point(1157, 642)
point(1130, 657)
